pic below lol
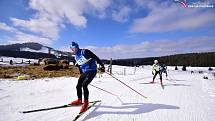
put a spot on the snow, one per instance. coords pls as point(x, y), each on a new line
point(16, 61)
point(42, 50)
point(186, 97)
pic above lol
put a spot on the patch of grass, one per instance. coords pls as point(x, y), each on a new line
point(36, 72)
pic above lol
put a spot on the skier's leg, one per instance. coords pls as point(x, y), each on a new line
point(79, 85)
point(160, 74)
point(79, 90)
point(156, 72)
point(86, 82)
point(88, 79)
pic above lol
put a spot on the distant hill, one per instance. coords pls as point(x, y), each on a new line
point(18, 47)
point(32, 50)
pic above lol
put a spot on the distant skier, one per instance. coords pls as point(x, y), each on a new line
point(86, 60)
point(156, 69)
point(164, 69)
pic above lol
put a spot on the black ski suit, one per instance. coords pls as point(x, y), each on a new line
point(86, 60)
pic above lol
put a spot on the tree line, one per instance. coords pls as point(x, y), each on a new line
point(206, 59)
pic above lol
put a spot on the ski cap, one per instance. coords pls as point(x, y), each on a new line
point(155, 61)
point(74, 45)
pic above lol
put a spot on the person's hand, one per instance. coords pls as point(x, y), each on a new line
point(102, 69)
point(76, 64)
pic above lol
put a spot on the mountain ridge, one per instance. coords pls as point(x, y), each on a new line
point(31, 50)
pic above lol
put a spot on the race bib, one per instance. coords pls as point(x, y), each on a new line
point(82, 60)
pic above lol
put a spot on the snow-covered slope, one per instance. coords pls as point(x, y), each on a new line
point(186, 97)
point(42, 50)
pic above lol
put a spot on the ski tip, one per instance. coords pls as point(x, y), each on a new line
point(95, 101)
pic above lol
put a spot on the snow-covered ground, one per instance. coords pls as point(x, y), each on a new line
point(5, 61)
point(185, 97)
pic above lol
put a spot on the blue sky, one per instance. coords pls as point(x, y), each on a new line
point(111, 28)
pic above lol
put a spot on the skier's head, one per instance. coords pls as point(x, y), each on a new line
point(155, 61)
point(74, 47)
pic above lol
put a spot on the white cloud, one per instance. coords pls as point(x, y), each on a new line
point(21, 37)
point(100, 5)
point(5, 27)
point(122, 14)
point(98, 8)
point(71, 10)
point(50, 15)
point(42, 26)
point(169, 17)
point(156, 48)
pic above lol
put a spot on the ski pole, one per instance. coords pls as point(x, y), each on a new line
point(103, 90)
point(126, 85)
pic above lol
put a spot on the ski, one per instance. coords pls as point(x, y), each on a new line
point(162, 86)
point(148, 83)
point(90, 105)
point(52, 108)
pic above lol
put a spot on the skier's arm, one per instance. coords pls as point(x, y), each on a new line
point(153, 70)
point(76, 64)
point(90, 54)
point(153, 67)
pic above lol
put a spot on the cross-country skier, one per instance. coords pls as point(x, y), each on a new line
point(86, 60)
point(164, 69)
point(156, 70)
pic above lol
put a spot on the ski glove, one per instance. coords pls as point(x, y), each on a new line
point(102, 69)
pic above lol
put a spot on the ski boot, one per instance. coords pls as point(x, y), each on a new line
point(76, 102)
point(84, 106)
point(152, 82)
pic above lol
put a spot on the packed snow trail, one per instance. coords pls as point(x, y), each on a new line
point(186, 97)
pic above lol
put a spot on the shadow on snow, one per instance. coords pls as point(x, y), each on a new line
point(137, 108)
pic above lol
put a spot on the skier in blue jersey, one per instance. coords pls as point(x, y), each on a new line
point(86, 60)
point(164, 69)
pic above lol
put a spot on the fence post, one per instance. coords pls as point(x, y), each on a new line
point(135, 70)
point(110, 67)
point(11, 62)
point(124, 71)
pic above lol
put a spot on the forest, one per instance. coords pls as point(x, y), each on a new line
point(206, 59)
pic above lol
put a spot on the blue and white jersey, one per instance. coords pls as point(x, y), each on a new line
point(86, 62)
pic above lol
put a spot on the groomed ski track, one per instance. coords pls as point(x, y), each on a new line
point(185, 97)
